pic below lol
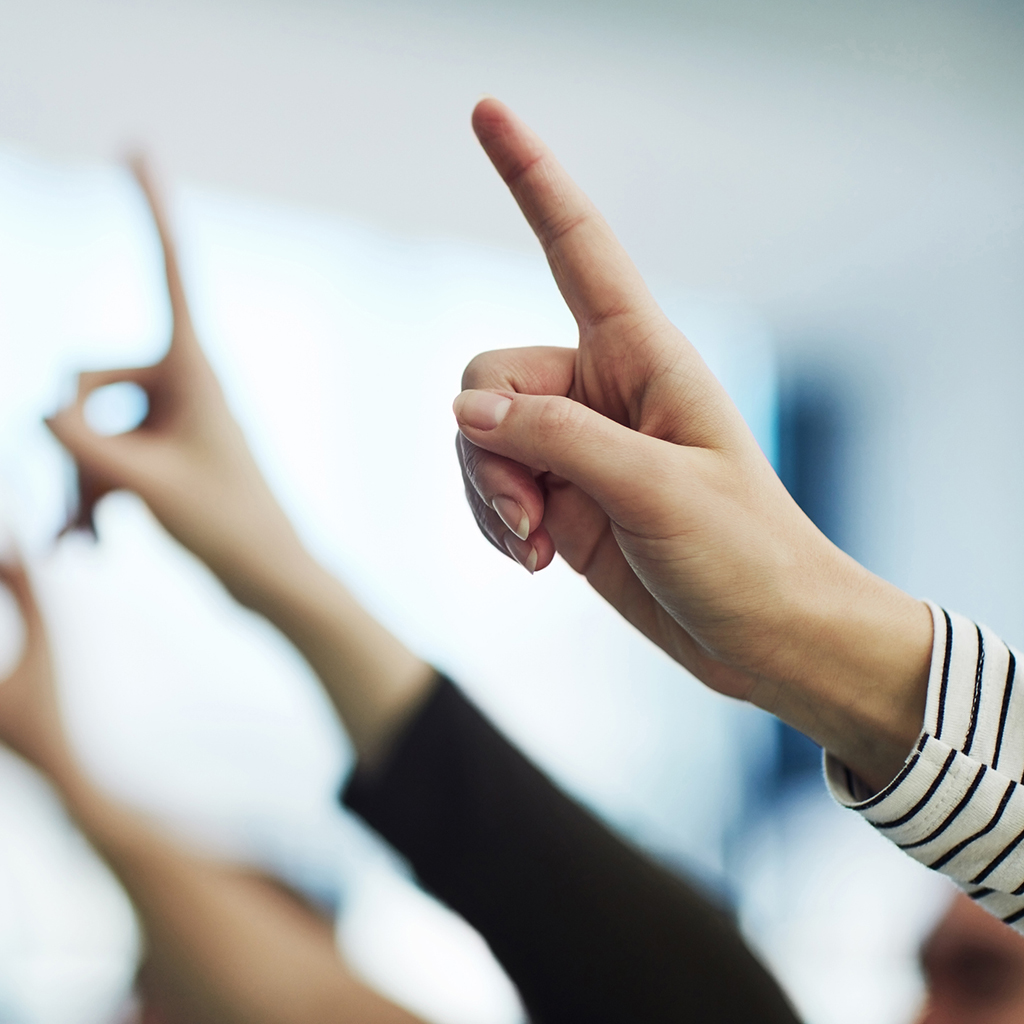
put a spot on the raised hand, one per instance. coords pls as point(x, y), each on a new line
point(223, 943)
point(188, 459)
point(626, 457)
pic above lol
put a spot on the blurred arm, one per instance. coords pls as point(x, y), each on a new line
point(190, 463)
point(223, 945)
point(373, 680)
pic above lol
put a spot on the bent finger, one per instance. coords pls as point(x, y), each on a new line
point(91, 380)
point(506, 487)
point(501, 518)
point(69, 424)
point(536, 370)
point(551, 434)
point(87, 454)
point(99, 460)
point(575, 522)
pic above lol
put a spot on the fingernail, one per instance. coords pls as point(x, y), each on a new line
point(525, 554)
point(481, 409)
point(513, 515)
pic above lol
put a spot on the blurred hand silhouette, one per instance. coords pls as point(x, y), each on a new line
point(626, 456)
point(188, 459)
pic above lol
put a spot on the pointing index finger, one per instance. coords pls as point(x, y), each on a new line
point(175, 288)
point(595, 276)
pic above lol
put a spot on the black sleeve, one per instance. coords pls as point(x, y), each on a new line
point(587, 927)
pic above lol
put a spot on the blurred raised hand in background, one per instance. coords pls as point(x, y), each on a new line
point(189, 461)
point(222, 943)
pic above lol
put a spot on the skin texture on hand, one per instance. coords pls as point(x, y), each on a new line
point(626, 457)
point(189, 461)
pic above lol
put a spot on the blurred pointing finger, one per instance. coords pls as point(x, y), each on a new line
point(175, 289)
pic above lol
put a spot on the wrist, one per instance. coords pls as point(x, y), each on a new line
point(271, 575)
point(855, 677)
point(373, 680)
point(250, 548)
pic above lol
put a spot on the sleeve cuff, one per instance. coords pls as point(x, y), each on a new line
point(957, 805)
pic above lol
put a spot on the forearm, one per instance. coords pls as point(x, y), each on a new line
point(223, 943)
point(372, 679)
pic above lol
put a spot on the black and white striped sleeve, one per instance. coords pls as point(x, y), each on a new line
point(958, 804)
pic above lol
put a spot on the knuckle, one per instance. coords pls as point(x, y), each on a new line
point(478, 372)
point(558, 419)
point(560, 224)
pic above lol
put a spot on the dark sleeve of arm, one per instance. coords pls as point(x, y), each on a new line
point(586, 927)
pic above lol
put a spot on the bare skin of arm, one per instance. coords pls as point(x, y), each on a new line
point(223, 944)
point(190, 463)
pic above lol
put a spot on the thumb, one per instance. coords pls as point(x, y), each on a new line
point(552, 434)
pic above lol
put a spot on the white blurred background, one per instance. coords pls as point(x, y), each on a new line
point(827, 195)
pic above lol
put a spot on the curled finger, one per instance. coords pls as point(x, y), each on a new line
point(507, 503)
point(90, 451)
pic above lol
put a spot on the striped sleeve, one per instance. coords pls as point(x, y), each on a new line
point(958, 804)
